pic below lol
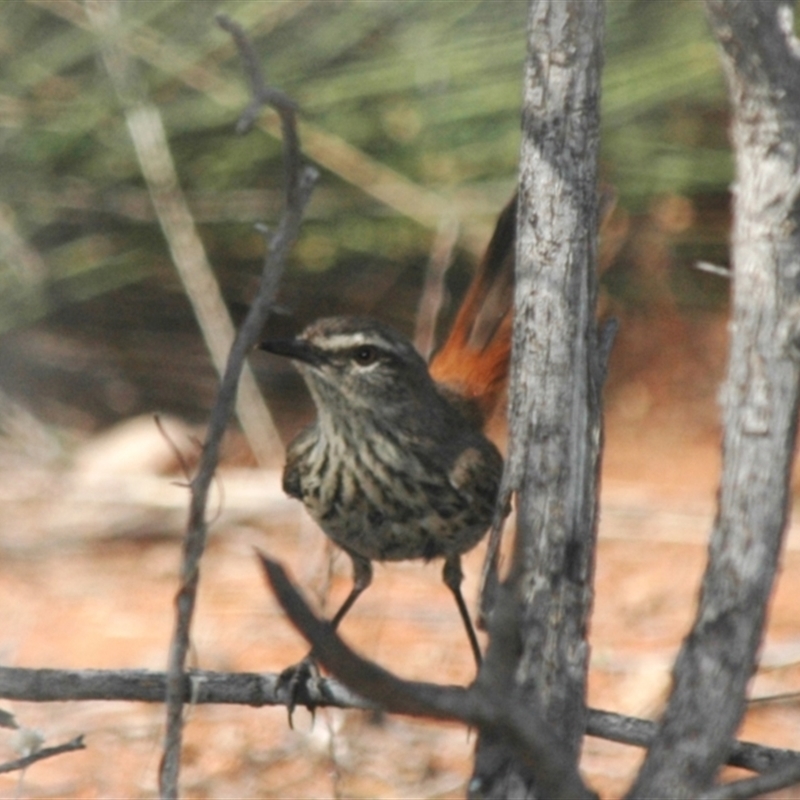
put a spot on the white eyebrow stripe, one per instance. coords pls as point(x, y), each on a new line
point(345, 341)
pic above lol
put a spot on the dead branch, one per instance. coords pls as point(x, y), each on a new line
point(782, 778)
point(525, 731)
point(198, 687)
point(151, 144)
point(555, 420)
point(299, 185)
point(260, 689)
point(759, 399)
point(641, 732)
point(40, 755)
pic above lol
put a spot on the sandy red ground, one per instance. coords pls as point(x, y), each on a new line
point(91, 585)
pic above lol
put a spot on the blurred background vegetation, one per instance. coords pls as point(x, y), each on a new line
point(410, 109)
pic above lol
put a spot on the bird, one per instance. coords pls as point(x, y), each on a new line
point(396, 465)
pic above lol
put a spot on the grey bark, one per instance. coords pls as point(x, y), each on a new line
point(537, 661)
point(556, 376)
point(258, 689)
point(759, 404)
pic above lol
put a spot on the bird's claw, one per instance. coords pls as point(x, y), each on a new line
point(301, 684)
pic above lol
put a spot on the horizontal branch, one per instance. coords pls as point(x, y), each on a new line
point(204, 687)
point(640, 733)
point(200, 687)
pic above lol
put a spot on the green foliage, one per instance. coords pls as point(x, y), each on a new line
point(428, 90)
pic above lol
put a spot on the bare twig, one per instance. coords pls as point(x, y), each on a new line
point(151, 144)
point(200, 687)
point(258, 689)
point(266, 95)
point(298, 193)
point(525, 731)
point(176, 451)
point(782, 778)
point(40, 755)
point(769, 699)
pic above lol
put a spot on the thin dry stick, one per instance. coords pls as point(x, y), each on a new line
point(40, 755)
point(300, 182)
point(149, 138)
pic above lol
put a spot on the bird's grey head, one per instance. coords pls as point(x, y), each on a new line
point(358, 365)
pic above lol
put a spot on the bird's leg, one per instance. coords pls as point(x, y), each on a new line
point(362, 577)
point(453, 576)
point(305, 675)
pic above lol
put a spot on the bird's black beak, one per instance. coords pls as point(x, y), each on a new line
point(296, 349)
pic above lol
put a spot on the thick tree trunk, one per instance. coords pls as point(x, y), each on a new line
point(759, 400)
point(555, 420)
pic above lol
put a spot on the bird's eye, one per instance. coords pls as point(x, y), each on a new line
point(365, 354)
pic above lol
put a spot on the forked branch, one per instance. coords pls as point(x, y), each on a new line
point(527, 734)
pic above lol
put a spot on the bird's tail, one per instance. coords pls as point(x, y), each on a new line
point(473, 361)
